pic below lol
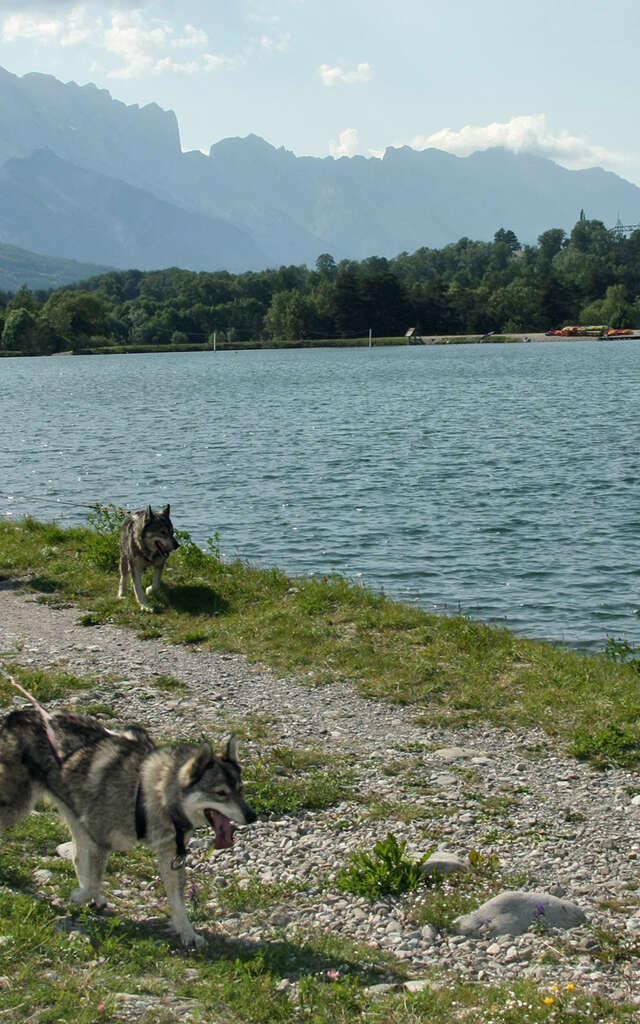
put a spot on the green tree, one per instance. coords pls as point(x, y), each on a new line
point(615, 310)
point(288, 316)
point(23, 299)
point(19, 333)
point(508, 237)
point(76, 315)
point(326, 266)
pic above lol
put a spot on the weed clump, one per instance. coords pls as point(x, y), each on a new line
point(386, 872)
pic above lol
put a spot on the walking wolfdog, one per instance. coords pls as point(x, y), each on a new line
point(116, 789)
point(146, 539)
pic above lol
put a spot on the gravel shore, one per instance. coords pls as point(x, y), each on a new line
point(553, 824)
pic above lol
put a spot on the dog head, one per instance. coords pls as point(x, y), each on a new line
point(157, 531)
point(212, 790)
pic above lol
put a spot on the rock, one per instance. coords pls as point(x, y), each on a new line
point(632, 924)
point(419, 985)
point(514, 912)
point(443, 862)
point(41, 876)
point(65, 850)
point(455, 753)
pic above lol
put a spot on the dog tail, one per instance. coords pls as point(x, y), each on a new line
point(44, 715)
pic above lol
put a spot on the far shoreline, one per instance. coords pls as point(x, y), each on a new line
point(511, 338)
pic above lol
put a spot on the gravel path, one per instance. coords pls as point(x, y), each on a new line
point(553, 824)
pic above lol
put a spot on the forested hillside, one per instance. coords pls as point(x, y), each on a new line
point(592, 275)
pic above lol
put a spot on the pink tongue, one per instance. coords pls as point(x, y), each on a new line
point(224, 830)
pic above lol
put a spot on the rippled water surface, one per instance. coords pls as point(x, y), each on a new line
point(501, 481)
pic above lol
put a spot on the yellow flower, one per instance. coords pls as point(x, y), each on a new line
point(570, 987)
point(549, 1000)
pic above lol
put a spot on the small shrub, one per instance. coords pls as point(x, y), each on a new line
point(622, 652)
point(385, 873)
point(612, 745)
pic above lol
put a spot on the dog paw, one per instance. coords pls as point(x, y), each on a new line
point(146, 608)
point(85, 896)
point(80, 896)
point(150, 589)
point(189, 937)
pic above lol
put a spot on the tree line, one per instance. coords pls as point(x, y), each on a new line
point(591, 275)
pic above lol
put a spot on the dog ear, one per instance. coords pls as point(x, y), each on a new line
point(230, 750)
point(196, 766)
point(165, 511)
point(148, 514)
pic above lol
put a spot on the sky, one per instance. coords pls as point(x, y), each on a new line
point(345, 77)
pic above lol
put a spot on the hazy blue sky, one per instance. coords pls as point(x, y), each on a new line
point(555, 77)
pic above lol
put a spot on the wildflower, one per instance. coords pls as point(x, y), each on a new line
point(333, 974)
point(549, 1000)
point(570, 987)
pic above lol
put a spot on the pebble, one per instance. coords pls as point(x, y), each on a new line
point(565, 830)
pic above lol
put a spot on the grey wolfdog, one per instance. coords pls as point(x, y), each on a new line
point(146, 539)
point(115, 789)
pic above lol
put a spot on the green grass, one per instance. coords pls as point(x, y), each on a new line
point(64, 964)
point(452, 670)
point(45, 685)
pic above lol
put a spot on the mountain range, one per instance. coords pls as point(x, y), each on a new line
point(87, 178)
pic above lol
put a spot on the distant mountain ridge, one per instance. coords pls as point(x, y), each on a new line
point(88, 178)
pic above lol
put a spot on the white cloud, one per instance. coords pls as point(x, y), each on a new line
point(218, 62)
point(71, 30)
point(525, 134)
point(140, 44)
point(274, 44)
point(192, 37)
point(337, 75)
point(347, 143)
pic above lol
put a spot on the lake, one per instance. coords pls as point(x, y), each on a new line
point(501, 481)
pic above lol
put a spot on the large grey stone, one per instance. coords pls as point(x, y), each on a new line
point(512, 913)
point(444, 863)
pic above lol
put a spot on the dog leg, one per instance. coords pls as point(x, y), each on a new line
point(89, 861)
point(136, 579)
point(123, 577)
point(174, 881)
point(157, 578)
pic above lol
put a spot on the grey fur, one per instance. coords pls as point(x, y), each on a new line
point(105, 783)
point(146, 539)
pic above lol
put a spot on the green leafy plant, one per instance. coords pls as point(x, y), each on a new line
point(622, 652)
point(612, 745)
point(102, 545)
point(386, 872)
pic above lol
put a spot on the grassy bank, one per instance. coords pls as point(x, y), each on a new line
point(61, 963)
point(273, 343)
point(452, 670)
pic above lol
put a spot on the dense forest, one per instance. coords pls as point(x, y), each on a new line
point(590, 276)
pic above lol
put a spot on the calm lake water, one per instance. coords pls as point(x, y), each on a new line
point(499, 481)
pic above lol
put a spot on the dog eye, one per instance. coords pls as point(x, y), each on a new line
point(222, 793)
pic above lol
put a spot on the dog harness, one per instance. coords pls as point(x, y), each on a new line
point(181, 825)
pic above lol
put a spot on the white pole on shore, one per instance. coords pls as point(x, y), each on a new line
point(370, 335)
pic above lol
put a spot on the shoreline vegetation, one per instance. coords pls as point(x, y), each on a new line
point(245, 346)
point(325, 629)
point(469, 290)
